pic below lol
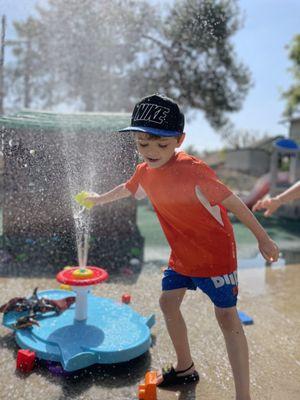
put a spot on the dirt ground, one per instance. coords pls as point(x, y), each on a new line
point(269, 295)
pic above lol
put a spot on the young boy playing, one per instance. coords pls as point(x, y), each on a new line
point(191, 204)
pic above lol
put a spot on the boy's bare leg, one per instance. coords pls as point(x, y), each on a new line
point(170, 301)
point(237, 349)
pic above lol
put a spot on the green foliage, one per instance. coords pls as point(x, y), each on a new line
point(102, 55)
point(292, 95)
point(193, 59)
point(86, 51)
point(26, 74)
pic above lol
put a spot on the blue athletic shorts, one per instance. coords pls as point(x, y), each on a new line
point(222, 290)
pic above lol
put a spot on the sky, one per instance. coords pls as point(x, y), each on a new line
point(269, 26)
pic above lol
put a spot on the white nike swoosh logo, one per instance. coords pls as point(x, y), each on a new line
point(213, 210)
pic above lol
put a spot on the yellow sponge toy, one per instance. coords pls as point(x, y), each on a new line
point(81, 199)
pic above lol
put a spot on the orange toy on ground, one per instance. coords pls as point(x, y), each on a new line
point(147, 390)
point(25, 360)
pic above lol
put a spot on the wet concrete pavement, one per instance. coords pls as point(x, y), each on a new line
point(269, 295)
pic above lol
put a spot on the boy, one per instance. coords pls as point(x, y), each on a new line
point(191, 205)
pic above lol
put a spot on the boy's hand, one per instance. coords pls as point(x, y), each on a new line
point(268, 249)
point(94, 198)
point(91, 199)
point(269, 204)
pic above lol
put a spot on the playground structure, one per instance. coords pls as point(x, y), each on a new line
point(48, 158)
point(96, 331)
point(276, 181)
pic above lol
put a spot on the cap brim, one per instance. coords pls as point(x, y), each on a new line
point(152, 131)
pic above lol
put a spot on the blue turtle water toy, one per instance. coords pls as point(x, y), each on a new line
point(111, 333)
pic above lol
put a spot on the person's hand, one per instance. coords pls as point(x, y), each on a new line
point(93, 198)
point(269, 204)
point(268, 249)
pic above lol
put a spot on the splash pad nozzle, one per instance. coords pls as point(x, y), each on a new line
point(80, 279)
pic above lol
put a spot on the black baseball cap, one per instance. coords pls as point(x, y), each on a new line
point(157, 115)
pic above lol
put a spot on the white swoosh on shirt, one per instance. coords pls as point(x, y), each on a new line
point(213, 210)
point(140, 193)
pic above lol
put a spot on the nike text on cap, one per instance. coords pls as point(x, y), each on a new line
point(157, 115)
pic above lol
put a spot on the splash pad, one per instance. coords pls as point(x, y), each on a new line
point(93, 331)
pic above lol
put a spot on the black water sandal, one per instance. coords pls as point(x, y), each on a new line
point(171, 377)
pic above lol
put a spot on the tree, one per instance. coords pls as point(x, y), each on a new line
point(240, 138)
point(193, 60)
point(292, 95)
point(103, 55)
point(86, 50)
point(92, 45)
point(27, 71)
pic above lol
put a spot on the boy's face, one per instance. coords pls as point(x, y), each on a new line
point(157, 152)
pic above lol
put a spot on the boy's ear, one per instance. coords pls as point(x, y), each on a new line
point(180, 141)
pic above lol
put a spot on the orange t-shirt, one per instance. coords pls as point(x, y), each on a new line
point(186, 196)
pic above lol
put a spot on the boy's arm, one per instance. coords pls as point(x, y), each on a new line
point(271, 204)
point(267, 247)
point(117, 193)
